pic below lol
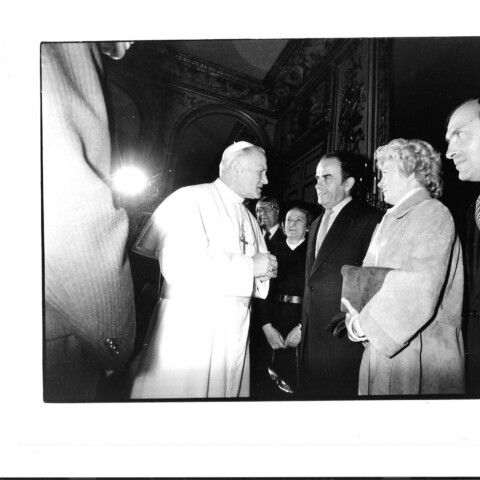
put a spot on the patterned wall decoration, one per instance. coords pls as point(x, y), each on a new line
point(343, 105)
point(203, 78)
point(299, 62)
point(360, 119)
point(352, 98)
point(381, 129)
point(307, 118)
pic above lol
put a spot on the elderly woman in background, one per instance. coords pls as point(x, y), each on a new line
point(282, 312)
point(411, 327)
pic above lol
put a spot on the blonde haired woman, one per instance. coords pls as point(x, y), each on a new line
point(412, 327)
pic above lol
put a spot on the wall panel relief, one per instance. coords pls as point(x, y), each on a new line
point(352, 78)
point(361, 108)
point(185, 72)
point(307, 118)
point(343, 105)
point(300, 61)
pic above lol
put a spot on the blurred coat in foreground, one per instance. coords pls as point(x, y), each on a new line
point(89, 308)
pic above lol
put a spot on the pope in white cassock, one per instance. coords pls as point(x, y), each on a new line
point(213, 259)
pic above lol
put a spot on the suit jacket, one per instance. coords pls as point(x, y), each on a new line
point(472, 261)
point(260, 315)
point(277, 239)
point(332, 364)
point(260, 351)
point(472, 303)
point(89, 308)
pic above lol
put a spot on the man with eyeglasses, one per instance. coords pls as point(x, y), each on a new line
point(268, 212)
point(340, 236)
point(463, 137)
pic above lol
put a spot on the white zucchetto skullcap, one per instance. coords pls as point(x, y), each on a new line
point(236, 147)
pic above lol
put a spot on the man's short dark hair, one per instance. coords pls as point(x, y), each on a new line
point(272, 200)
point(349, 163)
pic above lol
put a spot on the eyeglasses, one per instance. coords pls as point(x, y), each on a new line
point(267, 209)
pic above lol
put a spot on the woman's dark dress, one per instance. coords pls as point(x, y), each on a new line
point(283, 316)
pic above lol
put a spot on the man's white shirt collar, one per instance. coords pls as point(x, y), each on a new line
point(273, 230)
point(336, 209)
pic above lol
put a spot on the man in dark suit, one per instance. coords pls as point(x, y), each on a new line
point(463, 137)
point(340, 236)
point(267, 211)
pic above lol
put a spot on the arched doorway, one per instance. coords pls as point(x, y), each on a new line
point(200, 137)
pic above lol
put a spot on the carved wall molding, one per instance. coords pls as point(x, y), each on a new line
point(298, 65)
point(307, 119)
point(187, 73)
point(351, 95)
point(350, 113)
point(361, 113)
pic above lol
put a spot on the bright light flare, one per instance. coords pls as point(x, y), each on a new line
point(129, 181)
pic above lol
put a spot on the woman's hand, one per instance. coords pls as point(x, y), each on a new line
point(273, 336)
point(294, 337)
point(355, 333)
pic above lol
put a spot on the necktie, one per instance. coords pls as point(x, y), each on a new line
point(267, 238)
point(477, 212)
point(322, 231)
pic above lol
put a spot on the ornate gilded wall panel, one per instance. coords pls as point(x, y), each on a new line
point(361, 107)
point(344, 105)
point(351, 98)
point(300, 61)
point(199, 77)
point(307, 118)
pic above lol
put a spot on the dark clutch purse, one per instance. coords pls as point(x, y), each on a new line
point(283, 372)
point(359, 285)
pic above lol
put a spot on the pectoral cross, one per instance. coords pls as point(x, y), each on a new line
point(243, 240)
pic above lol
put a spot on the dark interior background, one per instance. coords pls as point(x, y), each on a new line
point(211, 93)
point(430, 77)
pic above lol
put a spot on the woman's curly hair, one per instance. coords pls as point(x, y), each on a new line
point(417, 157)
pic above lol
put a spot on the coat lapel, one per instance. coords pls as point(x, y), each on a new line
point(472, 257)
point(312, 240)
point(411, 202)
